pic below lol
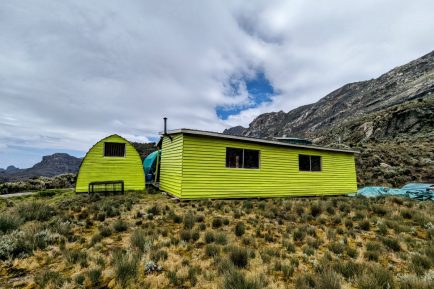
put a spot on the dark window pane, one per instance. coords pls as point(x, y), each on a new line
point(113, 149)
point(303, 163)
point(234, 158)
point(315, 163)
point(251, 159)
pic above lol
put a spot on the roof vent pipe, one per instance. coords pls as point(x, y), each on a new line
point(165, 129)
point(165, 125)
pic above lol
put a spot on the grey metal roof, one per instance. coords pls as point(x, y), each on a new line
point(255, 140)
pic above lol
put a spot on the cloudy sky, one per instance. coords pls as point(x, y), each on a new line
point(72, 72)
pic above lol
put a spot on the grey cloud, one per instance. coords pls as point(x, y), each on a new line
point(72, 72)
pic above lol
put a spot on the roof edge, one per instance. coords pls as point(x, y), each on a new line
point(252, 139)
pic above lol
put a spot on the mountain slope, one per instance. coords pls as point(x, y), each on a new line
point(390, 119)
point(52, 165)
point(411, 81)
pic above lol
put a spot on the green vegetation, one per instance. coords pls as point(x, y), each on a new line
point(111, 242)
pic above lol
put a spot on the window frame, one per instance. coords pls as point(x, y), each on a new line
point(310, 164)
point(243, 168)
point(110, 142)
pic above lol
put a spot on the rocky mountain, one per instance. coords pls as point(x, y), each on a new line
point(52, 165)
point(393, 113)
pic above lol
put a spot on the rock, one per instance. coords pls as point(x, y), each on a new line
point(385, 166)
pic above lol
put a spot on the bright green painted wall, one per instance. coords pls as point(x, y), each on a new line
point(95, 167)
point(204, 174)
point(171, 165)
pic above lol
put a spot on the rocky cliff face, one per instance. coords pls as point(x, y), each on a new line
point(392, 113)
point(52, 165)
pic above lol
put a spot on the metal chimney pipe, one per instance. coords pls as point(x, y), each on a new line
point(165, 125)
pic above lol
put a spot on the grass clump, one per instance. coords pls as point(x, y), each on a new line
point(209, 237)
point(139, 241)
point(120, 225)
point(376, 277)
point(212, 250)
point(49, 279)
point(217, 222)
point(420, 264)
point(125, 267)
point(239, 257)
point(35, 211)
point(240, 229)
point(234, 279)
point(9, 222)
point(189, 221)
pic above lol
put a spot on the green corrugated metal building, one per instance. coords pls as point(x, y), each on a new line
point(199, 164)
point(111, 159)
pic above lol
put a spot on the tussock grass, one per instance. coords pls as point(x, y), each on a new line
point(149, 241)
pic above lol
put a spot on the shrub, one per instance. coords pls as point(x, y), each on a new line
point(209, 237)
point(240, 229)
point(217, 222)
point(35, 211)
point(125, 267)
point(212, 250)
point(49, 279)
point(120, 225)
point(9, 222)
point(239, 257)
point(14, 245)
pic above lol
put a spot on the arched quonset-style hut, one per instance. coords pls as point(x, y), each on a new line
point(112, 164)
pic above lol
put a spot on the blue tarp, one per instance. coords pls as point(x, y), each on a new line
point(416, 191)
point(150, 164)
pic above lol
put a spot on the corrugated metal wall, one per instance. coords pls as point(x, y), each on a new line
point(204, 172)
point(95, 167)
point(171, 165)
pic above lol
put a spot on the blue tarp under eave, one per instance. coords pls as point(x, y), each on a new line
point(150, 164)
point(416, 191)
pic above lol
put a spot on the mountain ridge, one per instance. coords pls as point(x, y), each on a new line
point(49, 166)
point(389, 119)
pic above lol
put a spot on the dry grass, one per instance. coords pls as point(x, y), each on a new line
point(141, 240)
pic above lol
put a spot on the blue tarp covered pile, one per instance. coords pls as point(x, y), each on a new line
point(416, 191)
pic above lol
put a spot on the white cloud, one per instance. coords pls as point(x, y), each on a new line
point(72, 72)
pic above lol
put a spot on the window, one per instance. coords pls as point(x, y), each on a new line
point(242, 158)
point(113, 149)
point(309, 163)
